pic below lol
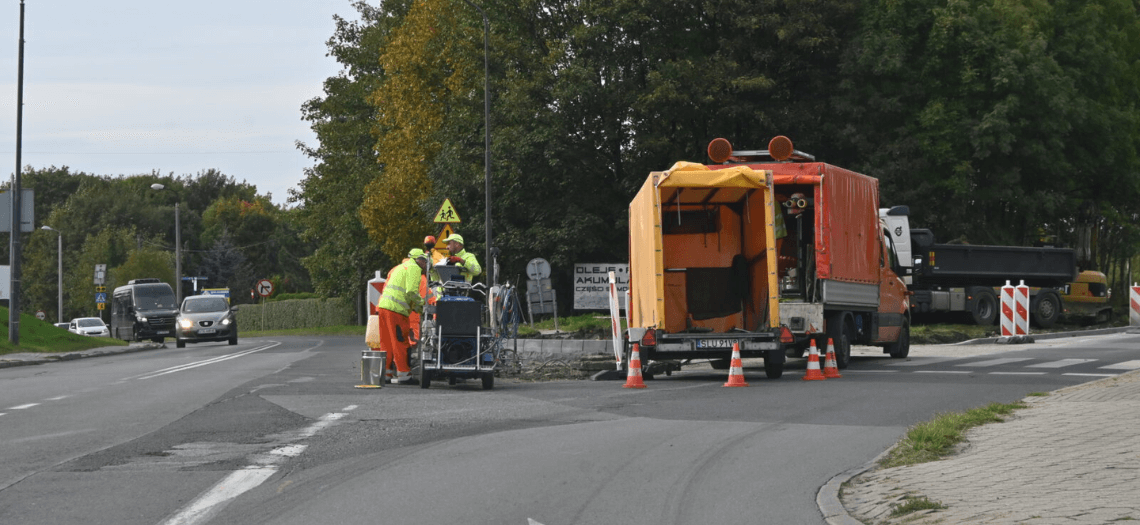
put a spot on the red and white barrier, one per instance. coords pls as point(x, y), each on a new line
point(375, 288)
point(615, 318)
point(1021, 309)
point(1134, 305)
point(1014, 309)
point(1007, 302)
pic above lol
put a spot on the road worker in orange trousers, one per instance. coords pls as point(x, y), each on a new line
point(400, 298)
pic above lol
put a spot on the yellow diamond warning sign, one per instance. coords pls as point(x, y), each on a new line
point(447, 213)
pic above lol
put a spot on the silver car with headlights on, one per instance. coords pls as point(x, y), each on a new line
point(205, 318)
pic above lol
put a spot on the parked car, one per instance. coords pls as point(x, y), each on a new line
point(205, 318)
point(92, 326)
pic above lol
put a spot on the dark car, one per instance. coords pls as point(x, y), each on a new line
point(205, 318)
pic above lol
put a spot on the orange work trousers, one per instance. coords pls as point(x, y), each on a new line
point(395, 338)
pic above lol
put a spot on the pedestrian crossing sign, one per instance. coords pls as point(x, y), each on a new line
point(446, 213)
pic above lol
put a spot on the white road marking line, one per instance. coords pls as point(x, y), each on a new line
point(230, 487)
point(869, 371)
point(942, 372)
point(1126, 365)
point(1062, 363)
point(206, 506)
point(211, 361)
point(1090, 375)
point(996, 362)
point(56, 398)
point(922, 361)
point(23, 407)
point(1017, 373)
point(326, 420)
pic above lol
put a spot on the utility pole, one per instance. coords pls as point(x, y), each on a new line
point(14, 291)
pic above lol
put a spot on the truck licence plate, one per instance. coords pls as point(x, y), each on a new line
point(207, 331)
point(716, 343)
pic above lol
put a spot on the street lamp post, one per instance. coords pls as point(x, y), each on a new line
point(59, 316)
point(177, 248)
point(486, 140)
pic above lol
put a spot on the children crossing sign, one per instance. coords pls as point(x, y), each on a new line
point(446, 213)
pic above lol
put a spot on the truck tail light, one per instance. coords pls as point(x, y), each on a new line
point(650, 338)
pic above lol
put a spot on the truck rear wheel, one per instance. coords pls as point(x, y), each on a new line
point(842, 334)
point(1046, 309)
point(984, 307)
point(774, 365)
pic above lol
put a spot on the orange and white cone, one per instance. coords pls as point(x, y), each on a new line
point(736, 368)
point(633, 379)
point(813, 372)
point(830, 368)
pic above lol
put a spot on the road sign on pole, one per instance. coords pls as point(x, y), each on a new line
point(264, 288)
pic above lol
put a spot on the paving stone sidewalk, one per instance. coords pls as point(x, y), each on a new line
point(1072, 457)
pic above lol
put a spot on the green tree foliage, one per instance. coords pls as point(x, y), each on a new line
point(143, 264)
point(330, 195)
point(425, 75)
point(995, 119)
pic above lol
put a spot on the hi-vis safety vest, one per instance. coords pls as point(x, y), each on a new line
point(470, 268)
point(402, 291)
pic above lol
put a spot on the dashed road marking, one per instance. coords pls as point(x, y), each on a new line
point(1126, 365)
point(23, 407)
point(996, 362)
point(238, 482)
point(1062, 363)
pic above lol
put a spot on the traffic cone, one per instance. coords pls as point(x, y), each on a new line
point(633, 379)
point(813, 372)
point(830, 368)
point(736, 368)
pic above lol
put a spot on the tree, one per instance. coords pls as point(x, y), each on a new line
point(330, 196)
point(224, 266)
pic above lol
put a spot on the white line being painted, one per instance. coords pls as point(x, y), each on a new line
point(241, 481)
point(211, 361)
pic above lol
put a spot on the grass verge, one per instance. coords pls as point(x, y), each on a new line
point(936, 439)
point(915, 504)
point(40, 337)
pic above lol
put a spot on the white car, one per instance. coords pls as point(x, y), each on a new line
point(92, 326)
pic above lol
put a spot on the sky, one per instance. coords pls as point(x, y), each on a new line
point(128, 87)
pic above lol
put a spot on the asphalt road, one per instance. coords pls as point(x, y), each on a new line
point(272, 431)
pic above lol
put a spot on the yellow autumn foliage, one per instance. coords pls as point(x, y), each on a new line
point(427, 65)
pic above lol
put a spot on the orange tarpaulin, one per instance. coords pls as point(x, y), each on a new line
point(744, 221)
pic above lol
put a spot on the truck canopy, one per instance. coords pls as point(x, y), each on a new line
point(702, 250)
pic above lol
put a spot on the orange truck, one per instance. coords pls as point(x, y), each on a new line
point(767, 249)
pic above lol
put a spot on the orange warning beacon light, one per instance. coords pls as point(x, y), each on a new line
point(780, 148)
point(720, 150)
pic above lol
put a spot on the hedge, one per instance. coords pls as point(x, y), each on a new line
point(296, 313)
